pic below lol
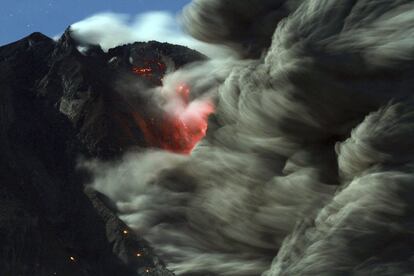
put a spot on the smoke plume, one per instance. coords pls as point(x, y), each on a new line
point(307, 166)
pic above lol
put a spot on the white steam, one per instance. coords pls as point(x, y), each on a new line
point(111, 29)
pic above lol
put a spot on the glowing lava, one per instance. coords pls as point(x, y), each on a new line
point(142, 71)
point(181, 126)
point(151, 70)
point(181, 123)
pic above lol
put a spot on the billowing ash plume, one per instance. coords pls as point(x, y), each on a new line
point(244, 26)
point(307, 167)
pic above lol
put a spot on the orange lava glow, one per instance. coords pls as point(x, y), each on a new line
point(182, 124)
point(180, 129)
point(149, 69)
point(142, 71)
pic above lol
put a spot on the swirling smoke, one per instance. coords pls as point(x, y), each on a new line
point(307, 166)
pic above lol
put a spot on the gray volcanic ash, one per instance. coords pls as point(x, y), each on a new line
point(307, 166)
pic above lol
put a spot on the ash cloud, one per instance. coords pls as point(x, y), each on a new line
point(241, 25)
point(307, 167)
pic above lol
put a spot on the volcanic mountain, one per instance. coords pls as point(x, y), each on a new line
point(59, 103)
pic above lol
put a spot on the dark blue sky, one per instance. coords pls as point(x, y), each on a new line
point(19, 18)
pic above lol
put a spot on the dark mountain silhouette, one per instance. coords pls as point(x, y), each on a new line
point(57, 103)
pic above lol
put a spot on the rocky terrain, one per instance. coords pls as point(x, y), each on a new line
point(58, 103)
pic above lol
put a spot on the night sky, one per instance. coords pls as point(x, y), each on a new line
point(51, 17)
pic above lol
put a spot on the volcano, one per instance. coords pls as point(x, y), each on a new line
point(58, 103)
point(304, 168)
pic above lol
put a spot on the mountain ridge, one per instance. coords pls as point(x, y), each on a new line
point(56, 104)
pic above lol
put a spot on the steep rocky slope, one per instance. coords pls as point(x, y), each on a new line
point(57, 103)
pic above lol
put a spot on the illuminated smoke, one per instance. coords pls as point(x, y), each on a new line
point(306, 168)
point(181, 124)
point(178, 119)
point(185, 121)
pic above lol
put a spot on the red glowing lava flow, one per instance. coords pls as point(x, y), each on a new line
point(142, 71)
point(181, 127)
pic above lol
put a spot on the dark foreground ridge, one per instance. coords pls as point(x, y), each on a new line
point(57, 103)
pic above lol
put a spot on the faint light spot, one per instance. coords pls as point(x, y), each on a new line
point(139, 254)
point(72, 258)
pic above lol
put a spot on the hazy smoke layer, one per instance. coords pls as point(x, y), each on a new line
point(309, 158)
